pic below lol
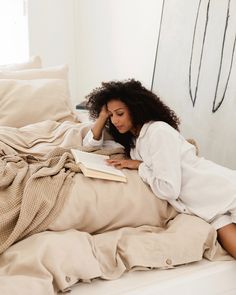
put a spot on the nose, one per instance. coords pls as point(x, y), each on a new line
point(114, 119)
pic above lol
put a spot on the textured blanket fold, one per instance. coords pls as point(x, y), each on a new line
point(103, 228)
point(32, 192)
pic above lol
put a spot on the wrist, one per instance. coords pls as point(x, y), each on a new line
point(138, 164)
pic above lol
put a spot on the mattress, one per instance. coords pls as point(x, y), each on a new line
point(203, 277)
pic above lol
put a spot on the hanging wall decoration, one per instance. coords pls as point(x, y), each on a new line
point(195, 71)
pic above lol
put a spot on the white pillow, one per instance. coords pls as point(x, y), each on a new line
point(24, 102)
point(32, 63)
point(57, 72)
point(82, 115)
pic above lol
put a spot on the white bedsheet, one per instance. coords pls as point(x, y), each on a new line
point(198, 278)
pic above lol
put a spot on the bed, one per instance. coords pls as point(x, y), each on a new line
point(194, 278)
point(61, 231)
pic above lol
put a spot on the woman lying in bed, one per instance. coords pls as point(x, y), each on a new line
point(148, 130)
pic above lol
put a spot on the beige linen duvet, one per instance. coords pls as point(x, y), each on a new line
point(58, 227)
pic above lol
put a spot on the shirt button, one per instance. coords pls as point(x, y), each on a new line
point(168, 261)
point(68, 279)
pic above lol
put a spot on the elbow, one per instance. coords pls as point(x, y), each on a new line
point(166, 190)
point(89, 141)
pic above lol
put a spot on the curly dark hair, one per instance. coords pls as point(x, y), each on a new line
point(143, 105)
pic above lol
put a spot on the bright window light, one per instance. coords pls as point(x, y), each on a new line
point(13, 31)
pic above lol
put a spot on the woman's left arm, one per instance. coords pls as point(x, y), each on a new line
point(164, 173)
point(124, 163)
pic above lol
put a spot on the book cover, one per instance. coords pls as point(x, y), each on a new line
point(94, 165)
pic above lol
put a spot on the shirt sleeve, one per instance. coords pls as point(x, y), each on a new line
point(164, 172)
point(89, 141)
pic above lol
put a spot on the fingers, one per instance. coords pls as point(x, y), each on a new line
point(104, 112)
point(117, 163)
point(130, 164)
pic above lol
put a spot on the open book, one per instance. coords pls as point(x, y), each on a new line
point(94, 165)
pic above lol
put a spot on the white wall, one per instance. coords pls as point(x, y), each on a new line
point(214, 131)
point(101, 40)
point(52, 34)
point(115, 40)
point(13, 32)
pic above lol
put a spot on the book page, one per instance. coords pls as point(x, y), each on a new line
point(85, 157)
point(104, 167)
point(95, 162)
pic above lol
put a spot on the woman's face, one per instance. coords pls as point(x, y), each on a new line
point(120, 116)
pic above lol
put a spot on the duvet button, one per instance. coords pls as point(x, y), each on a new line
point(168, 261)
point(68, 279)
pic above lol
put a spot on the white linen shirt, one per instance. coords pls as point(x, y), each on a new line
point(191, 184)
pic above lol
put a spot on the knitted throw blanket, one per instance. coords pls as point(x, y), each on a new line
point(32, 192)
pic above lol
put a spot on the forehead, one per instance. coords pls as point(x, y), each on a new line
point(115, 104)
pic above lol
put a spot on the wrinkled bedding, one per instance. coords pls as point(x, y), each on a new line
point(101, 229)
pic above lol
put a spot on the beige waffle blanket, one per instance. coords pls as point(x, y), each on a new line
point(71, 228)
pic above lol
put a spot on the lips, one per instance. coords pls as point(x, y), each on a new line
point(118, 127)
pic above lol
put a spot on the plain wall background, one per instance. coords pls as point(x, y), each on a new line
point(100, 40)
point(52, 35)
point(103, 40)
point(215, 133)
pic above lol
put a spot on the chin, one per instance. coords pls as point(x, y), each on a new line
point(122, 131)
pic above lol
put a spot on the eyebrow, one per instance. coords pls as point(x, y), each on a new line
point(116, 110)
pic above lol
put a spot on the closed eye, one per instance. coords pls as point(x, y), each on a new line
point(117, 114)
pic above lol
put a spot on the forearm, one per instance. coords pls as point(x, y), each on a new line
point(163, 186)
point(124, 163)
point(98, 127)
point(95, 135)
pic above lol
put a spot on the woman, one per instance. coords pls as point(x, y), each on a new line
point(148, 130)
